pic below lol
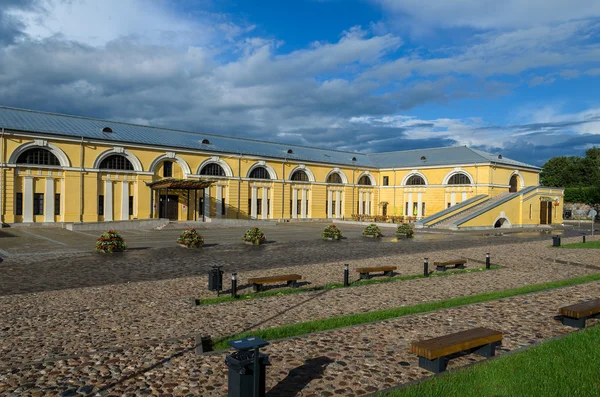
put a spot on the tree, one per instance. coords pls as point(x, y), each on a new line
point(573, 171)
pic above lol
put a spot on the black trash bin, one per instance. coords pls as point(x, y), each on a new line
point(556, 241)
point(241, 373)
point(215, 279)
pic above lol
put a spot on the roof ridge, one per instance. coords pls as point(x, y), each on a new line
point(178, 130)
point(415, 150)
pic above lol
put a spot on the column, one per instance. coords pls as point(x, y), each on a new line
point(49, 201)
point(207, 202)
point(265, 203)
point(219, 201)
point(410, 205)
point(453, 198)
point(136, 198)
point(108, 201)
point(419, 205)
point(125, 201)
point(28, 199)
point(338, 204)
point(303, 204)
point(329, 204)
point(294, 203)
point(253, 202)
point(464, 196)
point(360, 203)
point(368, 203)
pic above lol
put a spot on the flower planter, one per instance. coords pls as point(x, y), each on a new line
point(189, 247)
point(370, 236)
point(252, 243)
point(331, 238)
point(402, 235)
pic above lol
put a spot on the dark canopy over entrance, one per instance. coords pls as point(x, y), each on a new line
point(168, 203)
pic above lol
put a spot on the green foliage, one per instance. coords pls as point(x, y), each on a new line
point(110, 242)
point(586, 195)
point(573, 171)
point(332, 231)
point(405, 228)
point(255, 236)
point(191, 238)
point(372, 230)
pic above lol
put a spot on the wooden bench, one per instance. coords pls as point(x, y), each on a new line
point(435, 353)
point(575, 315)
point(365, 272)
point(258, 282)
point(456, 264)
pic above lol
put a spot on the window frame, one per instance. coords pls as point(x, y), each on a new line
point(168, 169)
point(38, 203)
point(100, 205)
point(56, 203)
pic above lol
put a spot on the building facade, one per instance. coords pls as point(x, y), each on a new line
point(58, 168)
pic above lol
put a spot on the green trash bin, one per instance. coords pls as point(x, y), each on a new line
point(247, 368)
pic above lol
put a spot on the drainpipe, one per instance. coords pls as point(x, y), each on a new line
point(283, 189)
point(394, 170)
point(80, 181)
point(476, 178)
point(239, 184)
point(353, 187)
point(2, 176)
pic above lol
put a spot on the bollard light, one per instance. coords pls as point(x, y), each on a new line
point(487, 260)
point(584, 238)
point(346, 275)
point(234, 285)
point(426, 267)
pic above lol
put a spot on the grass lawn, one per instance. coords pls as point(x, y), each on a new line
point(307, 327)
point(565, 367)
point(595, 244)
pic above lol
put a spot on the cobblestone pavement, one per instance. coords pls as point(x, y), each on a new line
point(347, 362)
point(50, 259)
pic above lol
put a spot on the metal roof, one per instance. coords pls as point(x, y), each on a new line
point(74, 126)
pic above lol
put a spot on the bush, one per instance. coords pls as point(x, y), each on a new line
point(333, 232)
point(372, 230)
point(110, 242)
point(255, 236)
point(405, 228)
point(191, 239)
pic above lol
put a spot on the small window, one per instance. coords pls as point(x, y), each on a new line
point(386, 181)
point(168, 169)
point(500, 156)
point(353, 158)
point(130, 205)
point(19, 204)
point(205, 142)
point(57, 204)
point(423, 158)
point(290, 151)
point(107, 129)
point(38, 204)
point(101, 205)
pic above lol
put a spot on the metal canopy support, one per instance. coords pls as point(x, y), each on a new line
point(188, 205)
point(166, 213)
point(203, 203)
point(195, 204)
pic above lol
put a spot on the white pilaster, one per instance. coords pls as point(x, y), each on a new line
point(453, 198)
point(368, 203)
point(108, 201)
point(135, 195)
point(28, 199)
point(207, 202)
point(411, 212)
point(303, 204)
point(294, 203)
point(464, 196)
point(338, 204)
point(360, 203)
point(329, 204)
point(265, 203)
point(49, 201)
point(419, 205)
point(124, 200)
point(253, 202)
point(219, 201)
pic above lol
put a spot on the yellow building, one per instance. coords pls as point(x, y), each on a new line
point(59, 168)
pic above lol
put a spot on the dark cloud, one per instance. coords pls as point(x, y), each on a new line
point(11, 28)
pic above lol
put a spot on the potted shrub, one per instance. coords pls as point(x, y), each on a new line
point(331, 232)
point(372, 231)
point(254, 236)
point(404, 231)
point(190, 238)
point(109, 242)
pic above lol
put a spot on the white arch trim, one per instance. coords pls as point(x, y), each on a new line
point(371, 178)
point(340, 173)
point(505, 224)
point(417, 173)
point(137, 165)
point(270, 169)
point(172, 157)
point(55, 150)
point(216, 160)
point(302, 167)
point(521, 179)
point(458, 171)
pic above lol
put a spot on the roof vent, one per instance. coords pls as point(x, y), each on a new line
point(423, 158)
point(205, 142)
point(500, 156)
point(290, 151)
point(353, 158)
point(107, 129)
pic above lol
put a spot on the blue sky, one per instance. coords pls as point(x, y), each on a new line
point(513, 77)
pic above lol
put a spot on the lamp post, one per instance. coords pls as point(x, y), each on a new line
point(426, 267)
point(234, 285)
point(346, 275)
point(487, 260)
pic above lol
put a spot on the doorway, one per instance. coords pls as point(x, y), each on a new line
point(514, 183)
point(172, 207)
point(545, 213)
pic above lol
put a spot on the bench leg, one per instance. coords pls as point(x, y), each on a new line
point(389, 273)
point(257, 287)
point(488, 350)
point(436, 366)
point(460, 266)
point(440, 268)
point(365, 276)
point(292, 283)
point(574, 322)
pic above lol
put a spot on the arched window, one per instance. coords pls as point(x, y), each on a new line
point(38, 156)
point(116, 162)
point(364, 180)
point(459, 179)
point(514, 184)
point(415, 180)
point(300, 176)
point(212, 169)
point(334, 178)
point(260, 173)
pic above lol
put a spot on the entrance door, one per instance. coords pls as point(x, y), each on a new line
point(549, 219)
point(544, 212)
point(513, 184)
point(172, 210)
